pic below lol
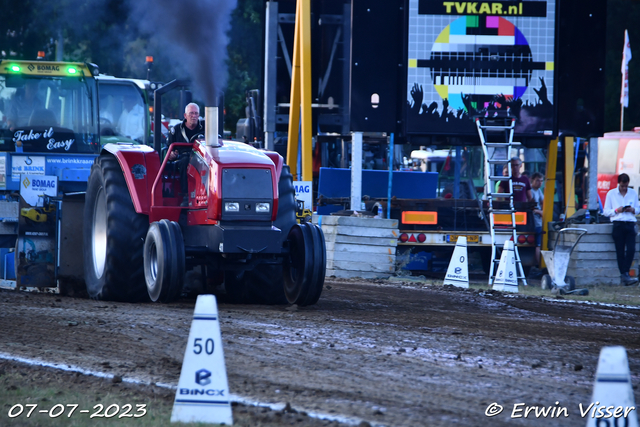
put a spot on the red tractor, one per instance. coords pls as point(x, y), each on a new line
point(239, 226)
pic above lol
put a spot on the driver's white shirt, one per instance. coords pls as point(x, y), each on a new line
point(131, 124)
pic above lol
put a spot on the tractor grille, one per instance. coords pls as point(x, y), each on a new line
point(246, 189)
point(247, 183)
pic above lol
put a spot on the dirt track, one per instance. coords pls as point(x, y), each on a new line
point(389, 354)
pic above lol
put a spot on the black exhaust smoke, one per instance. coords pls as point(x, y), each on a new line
point(195, 31)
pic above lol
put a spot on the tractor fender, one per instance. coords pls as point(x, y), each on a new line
point(277, 160)
point(140, 165)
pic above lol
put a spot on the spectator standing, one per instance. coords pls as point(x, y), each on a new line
point(538, 197)
point(621, 205)
point(521, 184)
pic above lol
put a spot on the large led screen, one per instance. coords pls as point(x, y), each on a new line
point(480, 58)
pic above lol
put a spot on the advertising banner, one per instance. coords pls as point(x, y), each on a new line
point(31, 165)
point(304, 193)
point(480, 58)
point(36, 245)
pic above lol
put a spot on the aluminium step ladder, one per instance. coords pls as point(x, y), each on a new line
point(498, 152)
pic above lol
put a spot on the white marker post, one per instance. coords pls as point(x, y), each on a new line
point(203, 391)
point(458, 271)
point(506, 278)
point(612, 397)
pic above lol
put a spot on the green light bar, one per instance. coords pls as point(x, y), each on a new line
point(72, 70)
point(14, 68)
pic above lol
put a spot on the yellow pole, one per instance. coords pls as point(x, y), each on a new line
point(569, 180)
point(305, 54)
point(301, 94)
point(549, 190)
point(294, 109)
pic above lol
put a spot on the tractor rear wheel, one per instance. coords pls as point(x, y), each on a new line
point(264, 284)
point(113, 236)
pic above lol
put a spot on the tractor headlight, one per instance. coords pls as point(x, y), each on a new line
point(232, 207)
point(263, 207)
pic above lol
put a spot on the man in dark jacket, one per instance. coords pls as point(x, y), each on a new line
point(187, 131)
point(189, 128)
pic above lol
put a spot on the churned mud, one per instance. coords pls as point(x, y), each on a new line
point(378, 353)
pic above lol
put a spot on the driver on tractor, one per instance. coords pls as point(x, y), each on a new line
point(25, 101)
point(187, 131)
point(131, 121)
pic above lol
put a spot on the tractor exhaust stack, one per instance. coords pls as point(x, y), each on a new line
point(211, 126)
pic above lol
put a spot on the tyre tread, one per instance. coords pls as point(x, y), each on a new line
point(123, 277)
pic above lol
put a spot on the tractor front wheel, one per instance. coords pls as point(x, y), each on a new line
point(305, 266)
point(164, 261)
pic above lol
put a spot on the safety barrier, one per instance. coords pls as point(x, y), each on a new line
point(359, 247)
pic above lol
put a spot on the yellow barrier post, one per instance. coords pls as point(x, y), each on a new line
point(549, 190)
point(569, 179)
point(301, 93)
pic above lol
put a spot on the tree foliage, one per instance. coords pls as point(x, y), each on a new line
point(245, 58)
point(107, 33)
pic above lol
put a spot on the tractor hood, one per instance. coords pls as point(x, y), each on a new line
point(230, 153)
point(233, 153)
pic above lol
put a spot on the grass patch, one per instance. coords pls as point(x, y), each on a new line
point(605, 294)
point(47, 389)
point(622, 295)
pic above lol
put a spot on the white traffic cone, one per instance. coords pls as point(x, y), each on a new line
point(506, 278)
point(612, 402)
point(458, 271)
point(203, 391)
